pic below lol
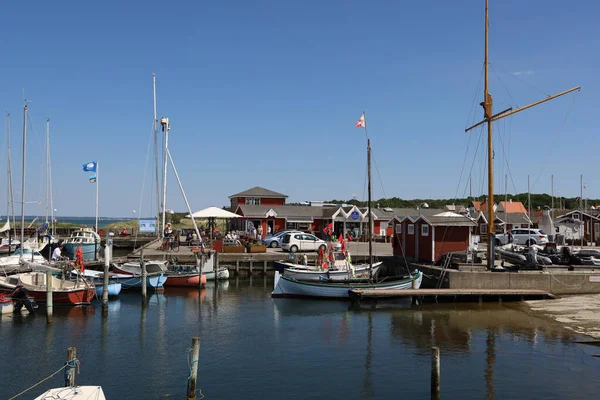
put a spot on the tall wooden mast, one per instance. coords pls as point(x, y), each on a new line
point(489, 117)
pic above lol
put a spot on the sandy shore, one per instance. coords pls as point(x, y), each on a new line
point(579, 313)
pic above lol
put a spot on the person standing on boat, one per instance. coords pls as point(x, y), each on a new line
point(57, 253)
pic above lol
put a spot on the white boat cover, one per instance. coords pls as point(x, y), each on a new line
point(74, 393)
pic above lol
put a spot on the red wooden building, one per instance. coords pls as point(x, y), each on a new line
point(426, 238)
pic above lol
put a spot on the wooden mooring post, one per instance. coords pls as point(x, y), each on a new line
point(216, 266)
point(107, 256)
point(435, 373)
point(70, 367)
point(192, 378)
point(144, 278)
point(49, 296)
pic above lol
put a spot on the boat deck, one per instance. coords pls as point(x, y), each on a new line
point(480, 295)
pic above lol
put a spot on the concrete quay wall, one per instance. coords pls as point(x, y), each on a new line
point(557, 282)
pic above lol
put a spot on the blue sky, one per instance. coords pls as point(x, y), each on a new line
point(267, 93)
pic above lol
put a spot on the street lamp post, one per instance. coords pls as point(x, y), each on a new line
point(425, 205)
point(133, 214)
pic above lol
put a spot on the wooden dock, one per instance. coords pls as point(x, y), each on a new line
point(480, 295)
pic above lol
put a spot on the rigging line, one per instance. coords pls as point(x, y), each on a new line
point(378, 174)
point(508, 167)
point(505, 88)
point(556, 137)
point(144, 181)
point(474, 102)
point(521, 80)
point(41, 156)
point(42, 381)
point(475, 155)
point(463, 165)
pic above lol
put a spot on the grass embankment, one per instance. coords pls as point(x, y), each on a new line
point(185, 223)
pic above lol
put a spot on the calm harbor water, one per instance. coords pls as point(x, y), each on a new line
point(257, 347)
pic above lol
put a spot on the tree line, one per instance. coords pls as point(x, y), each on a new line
point(538, 201)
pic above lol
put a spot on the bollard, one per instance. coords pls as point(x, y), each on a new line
point(265, 267)
point(435, 373)
point(70, 367)
point(48, 296)
point(144, 276)
point(191, 384)
point(107, 257)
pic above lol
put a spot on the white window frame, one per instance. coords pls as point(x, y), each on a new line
point(398, 228)
point(483, 229)
point(576, 216)
point(253, 201)
point(411, 229)
point(424, 230)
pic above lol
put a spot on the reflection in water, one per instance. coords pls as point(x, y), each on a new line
point(315, 349)
point(489, 368)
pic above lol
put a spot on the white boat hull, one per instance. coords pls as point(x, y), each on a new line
point(74, 393)
point(305, 274)
point(289, 287)
point(222, 274)
point(6, 306)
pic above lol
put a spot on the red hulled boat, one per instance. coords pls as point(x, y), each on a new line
point(63, 292)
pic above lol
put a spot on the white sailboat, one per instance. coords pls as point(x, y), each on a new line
point(286, 286)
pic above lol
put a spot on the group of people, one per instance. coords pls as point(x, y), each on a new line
point(231, 236)
point(257, 233)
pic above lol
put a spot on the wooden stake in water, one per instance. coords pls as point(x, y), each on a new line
point(107, 256)
point(435, 373)
point(144, 275)
point(71, 367)
point(216, 266)
point(191, 383)
point(48, 296)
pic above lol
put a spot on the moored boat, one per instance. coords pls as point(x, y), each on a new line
point(135, 268)
point(6, 305)
point(73, 393)
point(303, 273)
point(63, 291)
point(290, 287)
point(87, 239)
point(114, 287)
point(185, 279)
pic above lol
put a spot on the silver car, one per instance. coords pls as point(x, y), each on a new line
point(274, 240)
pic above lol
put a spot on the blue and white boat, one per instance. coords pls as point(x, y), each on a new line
point(114, 286)
point(153, 281)
point(85, 238)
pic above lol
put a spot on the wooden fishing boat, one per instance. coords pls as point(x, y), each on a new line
point(63, 291)
point(304, 273)
point(85, 238)
point(135, 268)
point(290, 287)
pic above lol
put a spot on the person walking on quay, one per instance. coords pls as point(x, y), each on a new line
point(260, 232)
point(268, 230)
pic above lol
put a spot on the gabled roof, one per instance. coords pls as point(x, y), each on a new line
point(477, 205)
point(258, 191)
point(441, 219)
point(569, 214)
point(250, 211)
point(512, 207)
point(515, 218)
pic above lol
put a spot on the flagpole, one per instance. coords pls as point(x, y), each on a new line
point(370, 227)
point(97, 173)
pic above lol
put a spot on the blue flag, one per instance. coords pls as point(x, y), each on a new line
point(93, 178)
point(91, 166)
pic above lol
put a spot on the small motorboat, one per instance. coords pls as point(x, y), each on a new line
point(184, 276)
point(63, 291)
point(135, 268)
point(114, 287)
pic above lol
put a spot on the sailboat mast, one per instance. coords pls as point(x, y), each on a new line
point(10, 199)
point(47, 164)
point(487, 107)
point(155, 126)
point(369, 231)
point(23, 180)
point(165, 127)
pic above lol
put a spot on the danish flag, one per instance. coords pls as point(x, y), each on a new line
point(361, 121)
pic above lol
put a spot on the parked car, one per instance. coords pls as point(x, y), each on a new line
point(274, 240)
point(523, 236)
point(298, 241)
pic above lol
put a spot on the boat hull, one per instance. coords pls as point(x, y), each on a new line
point(75, 297)
point(185, 280)
point(300, 274)
point(222, 274)
point(155, 282)
point(114, 288)
point(289, 287)
point(88, 249)
point(6, 306)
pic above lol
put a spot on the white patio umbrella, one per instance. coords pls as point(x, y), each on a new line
point(213, 212)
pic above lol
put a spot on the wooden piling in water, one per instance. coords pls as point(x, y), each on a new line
point(71, 366)
point(107, 256)
point(49, 296)
point(216, 266)
point(191, 383)
point(237, 267)
point(144, 278)
point(265, 267)
point(435, 373)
